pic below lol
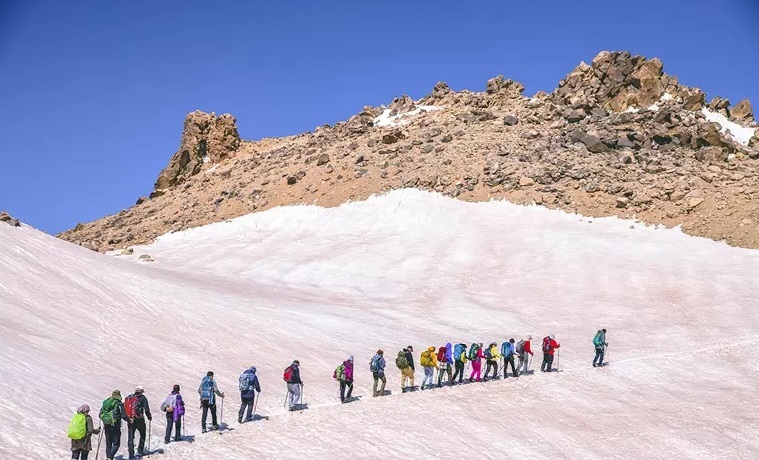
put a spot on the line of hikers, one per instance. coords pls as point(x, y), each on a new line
point(449, 361)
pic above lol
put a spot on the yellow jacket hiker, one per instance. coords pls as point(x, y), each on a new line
point(492, 355)
point(428, 360)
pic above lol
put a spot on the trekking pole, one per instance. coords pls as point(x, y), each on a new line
point(287, 393)
point(255, 403)
point(558, 357)
point(221, 415)
point(301, 395)
point(150, 433)
point(100, 434)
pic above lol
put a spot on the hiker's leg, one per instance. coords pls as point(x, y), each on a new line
point(342, 391)
point(249, 415)
point(75, 454)
point(296, 395)
point(384, 381)
point(140, 424)
point(130, 439)
point(350, 390)
point(214, 421)
point(549, 362)
point(85, 455)
point(169, 426)
point(204, 417)
point(178, 429)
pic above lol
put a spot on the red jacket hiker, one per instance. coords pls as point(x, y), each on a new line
point(551, 347)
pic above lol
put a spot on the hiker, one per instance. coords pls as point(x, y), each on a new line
point(344, 375)
point(407, 373)
point(248, 387)
point(294, 384)
point(522, 349)
point(475, 356)
point(111, 414)
point(136, 408)
point(491, 359)
point(459, 360)
point(208, 391)
point(80, 431)
point(449, 361)
point(549, 347)
point(377, 367)
point(444, 365)
point(507, 351)
point(599, 341)
point(173, 405)
point(428, 360)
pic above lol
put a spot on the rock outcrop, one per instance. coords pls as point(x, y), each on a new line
point(206, 138)
point(617, 137)
point(8, 219)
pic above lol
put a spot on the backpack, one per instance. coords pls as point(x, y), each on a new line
point(457, 350)
point(206, 388)
point(520, 347)
point(170, 403)
point(339, 373)
point(78, 427)
point(488, 353)
point(473, 352)
point(374, 365)
point(597, 340)
point(132, 407)
point(426, 359)
point(246, 381)
point(401, 361)
point(288, 374)
point(107, 411)
point(547, 344)
point(441, 355)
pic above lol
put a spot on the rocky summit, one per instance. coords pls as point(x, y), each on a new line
point(617, 137)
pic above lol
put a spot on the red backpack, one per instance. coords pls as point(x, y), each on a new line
point(547, 344)
point(441, 355)
point(288, 374)
point(132, 407)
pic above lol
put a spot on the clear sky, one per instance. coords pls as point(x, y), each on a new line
point(93, 94)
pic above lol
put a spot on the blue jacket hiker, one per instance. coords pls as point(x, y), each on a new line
point(600, 344)
point(208, 392)
point(507, 351)
point(248, 388)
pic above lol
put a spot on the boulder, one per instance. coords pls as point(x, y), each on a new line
point(392, 138)
point(322, 160)
point(510, 120)
point(742, 111)
point(593, 143)
point(526, 181)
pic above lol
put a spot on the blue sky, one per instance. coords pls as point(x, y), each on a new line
point(93, 94)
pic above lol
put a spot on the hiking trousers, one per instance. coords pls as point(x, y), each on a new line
point(206, 404)
point(506, 362)
point(491, 365)
point(547, 363)
point(476, 370)
point(407, 374)
point(247, 403)
point(171, 423)
point(347, 386)
point(429, 376)
point(599, 357)
point(377, 377)
point(137, 426)
point(523, 363)
point(80, 454)
point(445, 368)
point(459, 371)
point(112, 439)
point(293, 395)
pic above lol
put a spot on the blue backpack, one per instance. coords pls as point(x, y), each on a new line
point(457, 350)
point(206, 388)
point(507, 350)
point(246, 381)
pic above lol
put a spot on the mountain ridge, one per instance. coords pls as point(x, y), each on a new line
point(617, 136)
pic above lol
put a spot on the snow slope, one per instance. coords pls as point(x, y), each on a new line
point(409, 267)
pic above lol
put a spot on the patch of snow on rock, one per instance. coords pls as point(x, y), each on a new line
point(740, 133)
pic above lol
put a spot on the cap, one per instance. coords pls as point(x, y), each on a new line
point(116, 395)
point(139, 389)
point(551, 336)
point(175, 389)
point(350, 358)
point(296, 362)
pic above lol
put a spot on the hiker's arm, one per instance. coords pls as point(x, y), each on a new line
point(256, 385)
point(216, 390)
point(122, 412)
point(147, 409)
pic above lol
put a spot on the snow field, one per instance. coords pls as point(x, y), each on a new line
point(408, 267)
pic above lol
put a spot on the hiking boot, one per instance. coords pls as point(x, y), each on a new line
point(239, 419)
point(215, 428)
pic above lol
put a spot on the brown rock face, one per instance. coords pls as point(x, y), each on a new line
point(618, 81)
point(8, 219)
point(206, 139)
point(742, 111)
